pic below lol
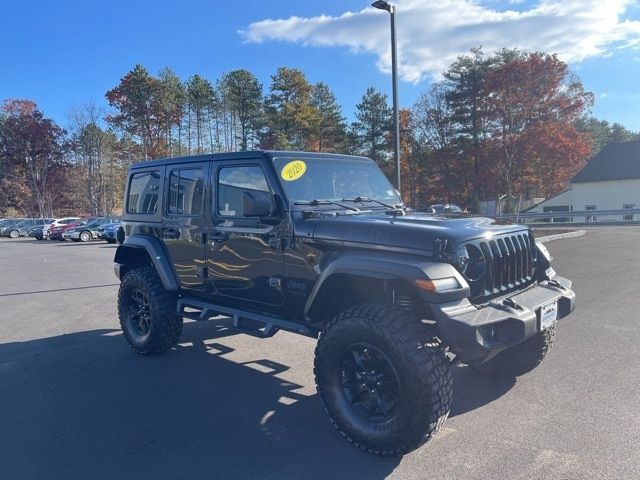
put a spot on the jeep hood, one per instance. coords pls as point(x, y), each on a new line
point(416, 231)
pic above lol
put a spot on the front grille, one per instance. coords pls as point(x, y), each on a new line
point(509, 265)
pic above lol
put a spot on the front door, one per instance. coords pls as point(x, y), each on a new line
point(244, 254)
point(184, 224)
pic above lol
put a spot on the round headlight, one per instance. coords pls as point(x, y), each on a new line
point(462, 258)
point(474, 263)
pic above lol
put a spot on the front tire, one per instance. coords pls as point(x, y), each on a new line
point(148, 312)
point(85, 237)
point(14, 234)
point(521, 358)
point(384, 386)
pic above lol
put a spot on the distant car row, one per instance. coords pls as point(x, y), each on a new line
point(66, 228)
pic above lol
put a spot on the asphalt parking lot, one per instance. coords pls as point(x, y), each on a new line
point(76, 403)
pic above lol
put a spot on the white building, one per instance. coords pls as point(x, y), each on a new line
point(610, 181)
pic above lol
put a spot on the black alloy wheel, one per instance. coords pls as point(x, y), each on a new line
point(369, 382)
point(139, 313)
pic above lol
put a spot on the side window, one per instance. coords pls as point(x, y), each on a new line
point(232, 181)
point(186, 189)
point(143, 193)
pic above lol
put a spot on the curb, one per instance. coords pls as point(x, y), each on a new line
point(560, 236)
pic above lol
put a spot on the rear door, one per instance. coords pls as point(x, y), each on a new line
point(184, 222)
point(244, 254)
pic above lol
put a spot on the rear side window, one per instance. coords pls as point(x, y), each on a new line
point(232, 181)
point(186, 189)
point(143, 193)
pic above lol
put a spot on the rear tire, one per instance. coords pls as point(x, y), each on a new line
point(521, 358)
point(403, 391)
point(148, 312)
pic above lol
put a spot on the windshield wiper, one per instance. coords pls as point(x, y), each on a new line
point(316, 202)
point(360, 199)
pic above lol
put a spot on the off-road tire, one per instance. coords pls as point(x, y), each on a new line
point(84, 236)
point(165, 324)
point(14, 234)
point(521, 358)
point(423, 374)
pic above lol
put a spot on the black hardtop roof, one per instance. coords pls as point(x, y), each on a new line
point(241, 156)
point(616, 161)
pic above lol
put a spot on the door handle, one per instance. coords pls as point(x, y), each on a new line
point(170, 233)
point(219, 236)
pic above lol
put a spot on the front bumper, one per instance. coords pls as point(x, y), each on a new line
point(476, 334)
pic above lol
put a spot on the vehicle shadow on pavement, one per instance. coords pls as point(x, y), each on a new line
point(83, 405)
point(473, 390)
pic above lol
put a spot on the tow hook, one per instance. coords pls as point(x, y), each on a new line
point(508, 302)
point(556, 284)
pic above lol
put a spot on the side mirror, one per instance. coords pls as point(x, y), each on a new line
point(256, 204)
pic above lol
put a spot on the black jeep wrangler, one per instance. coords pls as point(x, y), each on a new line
point(321, 245)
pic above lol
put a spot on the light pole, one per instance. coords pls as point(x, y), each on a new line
point(383, 5)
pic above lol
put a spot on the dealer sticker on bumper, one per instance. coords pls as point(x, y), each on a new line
point(548, 315)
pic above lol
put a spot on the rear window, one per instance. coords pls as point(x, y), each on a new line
point(143, 193)
point(185, 191)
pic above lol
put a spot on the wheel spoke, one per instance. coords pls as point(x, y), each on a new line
point(360, 359)
point(356, 399)
point(382, 405)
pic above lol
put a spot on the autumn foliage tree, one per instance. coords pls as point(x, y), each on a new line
point(532, 106)
point(140, 111)
point(31, 158)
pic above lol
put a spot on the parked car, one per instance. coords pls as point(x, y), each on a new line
point(36, 232)
point(440, 209)
point(6, 225)
point(87, 231)
point(108, 232)
point(21, 229)
point(55, 233)
point(56, 223)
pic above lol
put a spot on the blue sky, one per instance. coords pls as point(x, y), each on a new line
point(61, 53)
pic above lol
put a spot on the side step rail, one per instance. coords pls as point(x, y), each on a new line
point(254, 324)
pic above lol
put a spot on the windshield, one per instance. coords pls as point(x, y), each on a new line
point(334, 179)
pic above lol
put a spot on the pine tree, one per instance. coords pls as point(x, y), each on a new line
point(200, 96)
point(329, 134)
point(173, 103)
point(290, 115)
point(466, 82)
point(373, 125)
point(140, 113)
point(244, 97)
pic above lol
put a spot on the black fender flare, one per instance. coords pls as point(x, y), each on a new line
point(157, 254)
point(390, 266)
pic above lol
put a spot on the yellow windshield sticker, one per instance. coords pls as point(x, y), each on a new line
point(293, 170)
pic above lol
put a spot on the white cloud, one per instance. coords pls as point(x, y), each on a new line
point(431, 34)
